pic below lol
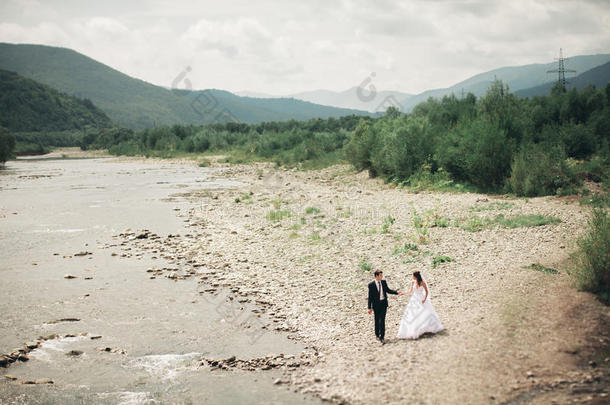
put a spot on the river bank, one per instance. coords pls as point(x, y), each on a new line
point(304, 244)
point(295, 250)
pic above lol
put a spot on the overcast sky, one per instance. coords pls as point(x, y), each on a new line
point(287, 46)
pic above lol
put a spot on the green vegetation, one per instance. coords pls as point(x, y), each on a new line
point(592, 260)
point(475, 224)
point(364, 266)
point(541, 268)
point(387, 222)
point(29, 106)
point(313, 143)
point(546, 145)
point(7, 145)
point(404, 249)
point(204, 163)
point(136, 104)
point(247, 198)
point(312, 210)
point(441, 259)
point(520, 221)
point(315, 237)
point(499, 143)
point(277, 215)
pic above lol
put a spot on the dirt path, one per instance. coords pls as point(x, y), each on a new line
point(300, 243)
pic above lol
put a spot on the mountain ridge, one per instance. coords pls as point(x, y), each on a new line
point(138, 104)
point(29, 106)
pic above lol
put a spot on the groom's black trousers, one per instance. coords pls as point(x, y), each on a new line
point(380, 311)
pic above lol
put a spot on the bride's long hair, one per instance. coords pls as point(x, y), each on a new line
point(417, 276)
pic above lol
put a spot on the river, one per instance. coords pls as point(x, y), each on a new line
point(157, 329)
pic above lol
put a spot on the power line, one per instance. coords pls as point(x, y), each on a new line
point(561, 69)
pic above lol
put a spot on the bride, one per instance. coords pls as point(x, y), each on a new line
point(419, 316)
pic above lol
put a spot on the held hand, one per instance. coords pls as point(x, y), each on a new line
point(422, 301)
point(401, 293)
point(370, 310)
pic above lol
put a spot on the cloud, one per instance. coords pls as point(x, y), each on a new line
point(292, 46)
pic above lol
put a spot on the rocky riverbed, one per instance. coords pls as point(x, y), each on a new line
point(302, 246)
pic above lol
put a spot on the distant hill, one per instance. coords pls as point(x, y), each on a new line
point(598, 76)
point(350, 98)
point(138, 104)
point(516, 77)
point(344, 99)
point(29, 106)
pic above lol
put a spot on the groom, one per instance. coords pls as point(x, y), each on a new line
point(378, 302)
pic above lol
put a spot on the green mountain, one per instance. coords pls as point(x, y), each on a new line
point(137, 104)
point(377, 102)
point(516, 77)
point(598, 76)
point(29, 106)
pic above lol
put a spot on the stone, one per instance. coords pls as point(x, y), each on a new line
point(83, 253)
point(10, 377)
point(74, 353)
point(44, 381)
point(69, 276)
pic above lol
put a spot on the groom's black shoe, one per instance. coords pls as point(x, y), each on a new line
point(382, 341)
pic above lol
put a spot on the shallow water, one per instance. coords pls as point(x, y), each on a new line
point(51, 209)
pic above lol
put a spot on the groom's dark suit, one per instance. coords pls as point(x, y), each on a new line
point(379, 306)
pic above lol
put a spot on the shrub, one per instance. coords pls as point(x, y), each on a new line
point(537, 171)
point(402, 146)
point(7, 145)
point(441, 259)
point(592, 260)
point(477, 151)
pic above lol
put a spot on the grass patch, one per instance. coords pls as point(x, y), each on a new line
point(421, 228)
point(441, 259)
point(592, 260)
point(364, 266)
point(312, 210)
point(404, 249)
point(315, 237)
point(387, 222)
point(599, 200)
point(424, 180)
point(204, 163)
point(475, 224)
point(541, 268)
point(520, 221)
point(277, 215)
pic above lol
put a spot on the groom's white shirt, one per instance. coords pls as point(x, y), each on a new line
point(380, 289)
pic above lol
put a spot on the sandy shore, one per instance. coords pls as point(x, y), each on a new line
point(297, 243)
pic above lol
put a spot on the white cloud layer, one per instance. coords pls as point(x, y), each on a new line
point(290, 46)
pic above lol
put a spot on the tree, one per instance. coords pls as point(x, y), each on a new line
point(7, 145)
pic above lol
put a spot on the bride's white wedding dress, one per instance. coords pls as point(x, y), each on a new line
point(419, 318)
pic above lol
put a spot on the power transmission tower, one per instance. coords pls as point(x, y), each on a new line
point(561, 69)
